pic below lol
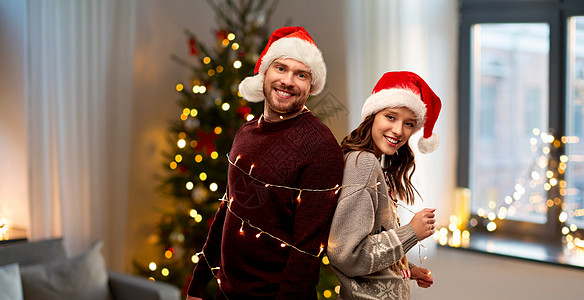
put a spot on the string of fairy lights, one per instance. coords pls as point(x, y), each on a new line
point(259, 231)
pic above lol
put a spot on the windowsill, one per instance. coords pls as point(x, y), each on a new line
point(14, 234)
point(556, 254)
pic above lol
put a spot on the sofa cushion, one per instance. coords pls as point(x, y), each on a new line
point(10, 284)
point(29, 253)
point(80, 277)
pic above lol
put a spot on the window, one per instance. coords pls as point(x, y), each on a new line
point(509, 60)
point(521, 135)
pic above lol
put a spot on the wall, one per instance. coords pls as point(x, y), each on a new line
point(159, 34)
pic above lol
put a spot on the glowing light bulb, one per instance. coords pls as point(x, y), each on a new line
point(563, 217)
point(491, 226)
point(152, 266)
point(565, 230)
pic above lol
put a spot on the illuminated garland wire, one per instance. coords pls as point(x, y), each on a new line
point(336, 187)
point(284, 243)
point(213, 273)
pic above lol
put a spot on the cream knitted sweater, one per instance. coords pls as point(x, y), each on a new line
point(365, 240)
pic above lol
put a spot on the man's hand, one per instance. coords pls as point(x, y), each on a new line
point(422, 276)
point(193, 298)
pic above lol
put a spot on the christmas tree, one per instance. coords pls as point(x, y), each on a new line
point(195, 175)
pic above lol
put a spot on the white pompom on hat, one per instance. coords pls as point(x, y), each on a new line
point(407, 89)
point(286, 42)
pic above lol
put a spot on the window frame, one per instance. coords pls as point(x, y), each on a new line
point(555, 13)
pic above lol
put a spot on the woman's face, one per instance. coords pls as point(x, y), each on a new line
point(391, 129)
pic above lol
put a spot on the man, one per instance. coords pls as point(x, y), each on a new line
point(284, 174)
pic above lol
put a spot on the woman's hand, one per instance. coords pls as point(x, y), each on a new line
point(423, 223)
point(193, 298)
point(422, 276)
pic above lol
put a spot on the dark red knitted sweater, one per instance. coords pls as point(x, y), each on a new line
point(299, 153)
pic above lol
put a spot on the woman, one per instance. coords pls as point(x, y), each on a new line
point(367, 246)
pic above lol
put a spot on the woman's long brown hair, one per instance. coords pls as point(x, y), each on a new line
point(398, 168)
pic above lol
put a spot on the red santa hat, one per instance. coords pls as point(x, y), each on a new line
point(407, 89)
point(286, 42)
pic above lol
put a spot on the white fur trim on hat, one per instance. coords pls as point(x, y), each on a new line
point(251, 88)
point(428, 145)
point(395, 97)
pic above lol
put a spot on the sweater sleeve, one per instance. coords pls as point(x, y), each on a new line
point(312, 220)
point(202, 274)
point(352, 249)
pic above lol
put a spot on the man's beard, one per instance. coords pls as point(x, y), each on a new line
point(289, 107)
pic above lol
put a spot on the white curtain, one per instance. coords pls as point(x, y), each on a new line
point(419, 36)
point(78, 83)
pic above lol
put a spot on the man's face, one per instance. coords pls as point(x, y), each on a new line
point(287, 85)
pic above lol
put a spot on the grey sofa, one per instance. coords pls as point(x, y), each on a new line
point(45, 263)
